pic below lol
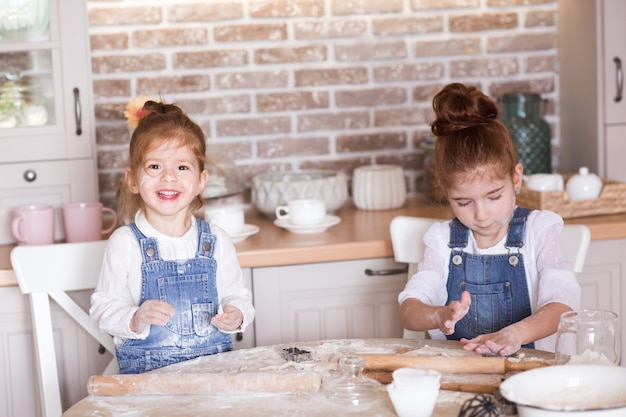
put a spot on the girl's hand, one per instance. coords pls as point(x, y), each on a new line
point(504, 343)
point(229, 320)
point(454, 312)
point(151, 312)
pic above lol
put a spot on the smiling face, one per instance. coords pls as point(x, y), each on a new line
point(168, 182)
point(485, 204)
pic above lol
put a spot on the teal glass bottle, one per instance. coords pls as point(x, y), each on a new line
point(521, 113)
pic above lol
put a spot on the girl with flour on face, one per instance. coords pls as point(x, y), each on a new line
point(171, 288)
point(494, 277)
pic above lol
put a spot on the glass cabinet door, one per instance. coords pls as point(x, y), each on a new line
point(26, 89)
point(26, 92)
point(44, 67)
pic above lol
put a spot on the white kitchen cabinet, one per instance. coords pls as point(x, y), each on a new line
point(47, 136)
point(78, 355)
point(592, 55)
point(326, 301)
point(602, 281)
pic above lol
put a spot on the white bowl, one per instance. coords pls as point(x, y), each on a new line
point(560, 390)
point(274, 189)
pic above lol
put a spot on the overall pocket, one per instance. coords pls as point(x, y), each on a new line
point(491, 308)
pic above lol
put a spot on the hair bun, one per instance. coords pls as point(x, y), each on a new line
point(458, 106)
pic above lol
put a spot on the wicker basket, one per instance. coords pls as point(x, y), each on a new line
point(612, 200)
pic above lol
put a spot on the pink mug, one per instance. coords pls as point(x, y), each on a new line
point(33, 224)
point(82, 221)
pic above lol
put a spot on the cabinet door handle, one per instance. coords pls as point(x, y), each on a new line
point(376, 272)
point(78, 112)
point(619, 79)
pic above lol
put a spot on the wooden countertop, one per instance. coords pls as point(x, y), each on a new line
point(360, 235)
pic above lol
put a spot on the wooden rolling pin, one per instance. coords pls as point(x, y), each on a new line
point(204, 383)
point(476, 383)
point(473, 365)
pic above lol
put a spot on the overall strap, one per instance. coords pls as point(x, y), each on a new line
point(206, 239)
point(147, 245)
point(517, 226)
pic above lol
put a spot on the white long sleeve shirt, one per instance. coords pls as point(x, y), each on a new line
point(548, 274)
point(117, 295)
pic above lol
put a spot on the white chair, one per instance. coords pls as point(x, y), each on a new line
point(50, 271)
point(407, 234)
point(575, 240)
point(407, 241)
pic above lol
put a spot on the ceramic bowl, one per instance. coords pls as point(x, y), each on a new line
point(273, 189)
point(560, 390)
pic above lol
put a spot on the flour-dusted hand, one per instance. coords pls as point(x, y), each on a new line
point(454, 312)
point(228, 321)
point(504, 342)
point(151, 312)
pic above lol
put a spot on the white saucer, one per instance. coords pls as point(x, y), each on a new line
point(248, 230)
point(328, 221)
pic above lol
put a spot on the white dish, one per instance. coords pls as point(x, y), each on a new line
point(328, 221)
point(247, 231)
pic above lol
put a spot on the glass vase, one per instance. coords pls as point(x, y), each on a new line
point(521, 113)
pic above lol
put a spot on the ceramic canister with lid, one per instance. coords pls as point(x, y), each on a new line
point(378, 187)
point(584, 185)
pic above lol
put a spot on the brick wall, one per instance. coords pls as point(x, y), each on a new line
point(304, 84)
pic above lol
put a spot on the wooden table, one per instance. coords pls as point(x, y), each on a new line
point(153, 399)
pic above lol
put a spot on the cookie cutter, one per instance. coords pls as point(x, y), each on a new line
point(293, 354)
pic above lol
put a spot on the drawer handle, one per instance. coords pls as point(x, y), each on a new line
point(78, 112)
point(378, 272)
point(619, 79)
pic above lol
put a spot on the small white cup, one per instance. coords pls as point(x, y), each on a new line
point(302, 212)
point(413, 403)
point(414, 392)
point(412, 378)
point(229, 218)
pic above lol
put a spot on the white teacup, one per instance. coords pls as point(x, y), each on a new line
point(302, 212)
point(230, 218)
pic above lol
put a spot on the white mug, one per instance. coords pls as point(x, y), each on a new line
point(302, 212)
point(230, 218)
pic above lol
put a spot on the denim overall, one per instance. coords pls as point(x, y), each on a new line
point(189, 286)
point(496, 283)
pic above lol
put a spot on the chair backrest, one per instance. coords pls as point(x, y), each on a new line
point(50, 271)
point(575, 239)
point(407, 239)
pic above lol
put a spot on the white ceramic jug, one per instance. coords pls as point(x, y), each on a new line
point(378, 187)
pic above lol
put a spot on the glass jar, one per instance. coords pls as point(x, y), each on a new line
point(521, 113)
